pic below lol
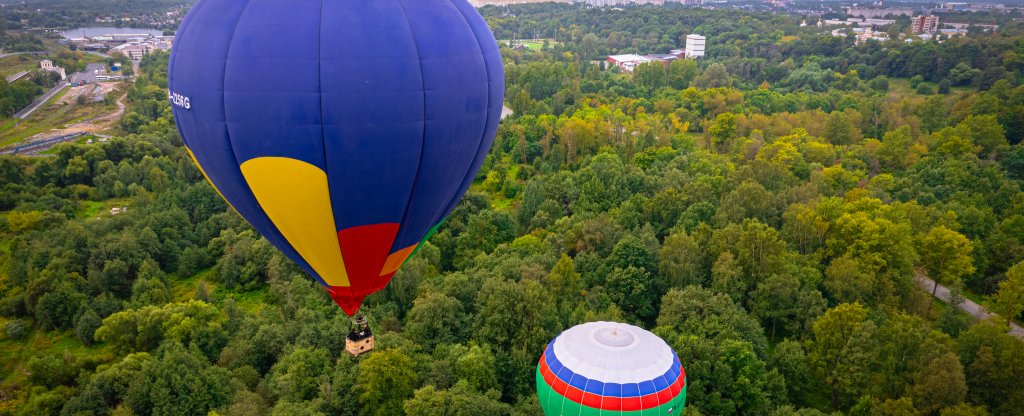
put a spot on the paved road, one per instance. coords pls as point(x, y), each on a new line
point(4, 55)
point(27, 111)
point(977, 311)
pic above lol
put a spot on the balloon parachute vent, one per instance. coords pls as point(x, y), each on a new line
point(360, 337)
point(614, 337)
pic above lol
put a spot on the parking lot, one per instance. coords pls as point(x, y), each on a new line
point(89, 75)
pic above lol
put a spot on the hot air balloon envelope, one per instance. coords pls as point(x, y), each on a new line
point(344, 131)
point(608, 368)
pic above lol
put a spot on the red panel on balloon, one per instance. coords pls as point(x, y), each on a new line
point(365, 249)
point(344, 298)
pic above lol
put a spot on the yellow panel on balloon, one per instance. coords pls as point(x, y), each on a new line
point(295, 196)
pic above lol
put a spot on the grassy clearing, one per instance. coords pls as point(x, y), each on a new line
point(251, 301)
point(531, 44)
point(15, 354)
point(7, 124)
point(184, 289)
point(498, 200)
point(500, 203)
point(95, 209)
point(88, 209)
point(84, 139)
point(14, 64)
point(92, 59)
point(900, 87)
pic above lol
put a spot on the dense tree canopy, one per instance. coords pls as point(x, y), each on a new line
point(765, 211)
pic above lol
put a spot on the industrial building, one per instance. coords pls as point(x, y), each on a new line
point(859, 22)
point(137, 49)
point(663, 57)
point(627, 62)
point(695, 45)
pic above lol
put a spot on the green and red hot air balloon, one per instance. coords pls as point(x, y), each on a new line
point(608, 368)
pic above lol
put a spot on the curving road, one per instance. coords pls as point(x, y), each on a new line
point(977, 311)
point(4, 55)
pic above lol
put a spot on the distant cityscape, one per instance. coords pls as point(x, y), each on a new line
point(596, 3)
point(864, 23)
point(132, 45)
point(875, 10)
point(165, 18)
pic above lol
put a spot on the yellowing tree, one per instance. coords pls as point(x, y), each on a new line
point(946, 256)
point(1009, 299)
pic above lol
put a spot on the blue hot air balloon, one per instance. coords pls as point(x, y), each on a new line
point(344, 131)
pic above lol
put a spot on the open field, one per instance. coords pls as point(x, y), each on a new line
point(901, 87)
point(14, 354)
point(531, 44)
point(17, 63)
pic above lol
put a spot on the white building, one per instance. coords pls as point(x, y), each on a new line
point(865, 34)
point(862, 22)
point(627, 62)
point(47, 65)
point(136, 50)
point(133, 51)
point(695, 46)
point(127, 36)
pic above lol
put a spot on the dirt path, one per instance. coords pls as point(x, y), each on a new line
point(96, 124)
point(977, 311)
point(93, 126)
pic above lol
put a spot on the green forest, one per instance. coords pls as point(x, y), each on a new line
point(765, 210)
